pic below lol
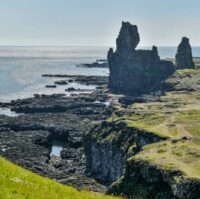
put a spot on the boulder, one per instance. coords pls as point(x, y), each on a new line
point(184, 55)
point(133, 71)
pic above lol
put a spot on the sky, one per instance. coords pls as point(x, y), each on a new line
point(97, 22)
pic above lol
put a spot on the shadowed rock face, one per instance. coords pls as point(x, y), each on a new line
point(128, 38)
point(135, 71)
point(184, 55)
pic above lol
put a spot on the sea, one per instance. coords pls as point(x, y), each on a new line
point(21, 68)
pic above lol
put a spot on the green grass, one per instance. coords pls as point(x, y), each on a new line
point(186, 71)
point(183, 155)
point(175, 116)
point(18, 183)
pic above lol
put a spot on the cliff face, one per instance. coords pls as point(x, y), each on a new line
point(135, 71)
point(151, 149)
point(184, 55)
point(146, 180)
point(107, 146)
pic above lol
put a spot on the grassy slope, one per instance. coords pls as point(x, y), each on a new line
point(18, 183)
point(175, 116)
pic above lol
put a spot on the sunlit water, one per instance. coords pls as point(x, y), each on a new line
point(8, 112)
point(21, 67)
point(57, 148)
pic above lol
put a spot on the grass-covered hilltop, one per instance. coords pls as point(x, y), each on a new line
point(152, 139)
point(18, 183)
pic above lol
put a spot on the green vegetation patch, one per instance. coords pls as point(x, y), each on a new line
point(18, 183)
point(175, 115)
point(188, 71)
point(183, 155)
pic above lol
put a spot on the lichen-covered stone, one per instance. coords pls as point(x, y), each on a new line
point(184, 55)
point(135, 71)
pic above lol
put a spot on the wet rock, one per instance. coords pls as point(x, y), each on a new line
point(135, 71)
point(28, 138)
point(130, 100)
point(95, 65)
point(70, 153)
point(70, 89)
point(184, 55)
point(61, 82)
point(88, 80)
point(50, 86)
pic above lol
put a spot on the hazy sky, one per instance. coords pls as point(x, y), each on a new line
point(97, 22)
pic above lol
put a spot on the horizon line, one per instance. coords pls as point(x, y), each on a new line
point(142, 46)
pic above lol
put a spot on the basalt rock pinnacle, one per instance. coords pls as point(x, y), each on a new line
point(184, 55)
point(135, 71)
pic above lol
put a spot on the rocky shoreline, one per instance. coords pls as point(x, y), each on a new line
point(142, 144)
point(27, 139)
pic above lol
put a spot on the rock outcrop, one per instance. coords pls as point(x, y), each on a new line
point(144, 179)
point(186, 81)
point(107, 147)
point(135, 71)
point(184, 55)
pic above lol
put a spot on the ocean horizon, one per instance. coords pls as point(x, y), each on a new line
point(21, 67)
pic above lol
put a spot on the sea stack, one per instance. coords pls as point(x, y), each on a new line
point(134, 71)
point(184, 55)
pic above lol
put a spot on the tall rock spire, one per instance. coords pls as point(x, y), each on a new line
point(184, 55)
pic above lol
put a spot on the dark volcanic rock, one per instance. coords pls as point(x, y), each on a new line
point(61, 82)
point(135, 71)
point(187, 81)
point(50, 86)
point(28, 138)
point(95, 65)
point(88, 80)
point(107, 147)
point(184, 55)
point(70, 89)
point(128, 38)
point(128, 100)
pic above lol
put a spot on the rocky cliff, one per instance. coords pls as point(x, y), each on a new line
point(151, 149)
point(135, 71)
point(107, 146)
point(184, 55)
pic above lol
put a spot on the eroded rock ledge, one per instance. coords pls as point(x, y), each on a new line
point(109, 145)
point(150, 149)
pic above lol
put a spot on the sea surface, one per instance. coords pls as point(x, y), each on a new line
point(21, 67)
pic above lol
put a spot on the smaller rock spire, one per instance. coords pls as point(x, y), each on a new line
point(128, 38)
point(184, 55)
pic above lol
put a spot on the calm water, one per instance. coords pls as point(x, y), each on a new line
point(21, 67)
